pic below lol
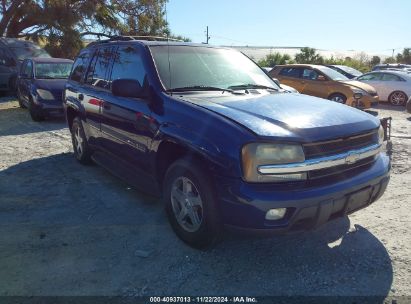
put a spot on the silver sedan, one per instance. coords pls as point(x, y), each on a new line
point(392, 86)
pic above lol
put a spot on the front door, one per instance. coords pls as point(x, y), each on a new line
point(126, 122)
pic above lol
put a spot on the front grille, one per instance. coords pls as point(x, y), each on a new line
point(341, 145)
point(342, 170)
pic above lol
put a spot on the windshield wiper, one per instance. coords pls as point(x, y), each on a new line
point(251, 86)
point(199, 88)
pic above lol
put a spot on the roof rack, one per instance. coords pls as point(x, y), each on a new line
point(128, 38)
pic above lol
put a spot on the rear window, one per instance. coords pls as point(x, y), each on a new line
point(291, 72)
point(79, 67)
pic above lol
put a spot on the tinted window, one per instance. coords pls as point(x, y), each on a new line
point(97, 73)
point(28, 69)
point(310, 74)
point(79, 67)
point(291, 72)
point(390, 77)
point(128, 65)
point(371, 77)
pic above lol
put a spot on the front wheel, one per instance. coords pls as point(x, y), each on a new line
point(82, 151)
point(397, 98)
point(337, 97)
point(190, 204)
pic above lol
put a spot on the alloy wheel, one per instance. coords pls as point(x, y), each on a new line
point(187, 204)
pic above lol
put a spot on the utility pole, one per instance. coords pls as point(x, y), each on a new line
point(393, 53)
point(207, 37)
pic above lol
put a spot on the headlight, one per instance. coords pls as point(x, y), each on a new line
point(381, 135)
point(359, 91)
point(258, 154)
point(44, 94)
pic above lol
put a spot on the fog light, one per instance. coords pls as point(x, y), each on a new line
point(275, 214)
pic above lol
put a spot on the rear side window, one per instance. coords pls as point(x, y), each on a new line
point(291, 72)
point(98, 71)
point(128, 64)
point(391, 77)
point(79, 67)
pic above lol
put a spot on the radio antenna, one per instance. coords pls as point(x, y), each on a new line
point(168, 52)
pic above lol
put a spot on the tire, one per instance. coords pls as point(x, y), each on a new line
point(337, 97)
point(21, 103)
point(397, 98)
point(13, 84)
point(187, 183)
point(35, 112)
point(82, 151)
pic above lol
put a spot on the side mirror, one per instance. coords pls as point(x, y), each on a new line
point(127, 88)
point(321, 78)
point(277, 82)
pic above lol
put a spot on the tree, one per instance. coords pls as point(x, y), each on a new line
point(405, 57)
point(274, 59)
point(390, 60)
point(62, 24)
point(375, 60)
point(308, 55)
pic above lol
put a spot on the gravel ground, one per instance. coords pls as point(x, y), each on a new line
point(68, 229)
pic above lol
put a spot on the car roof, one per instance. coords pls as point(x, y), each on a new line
point(151, 43)
point(14, 42)
point(300, 65)
point(50, 60)
point(395, 72)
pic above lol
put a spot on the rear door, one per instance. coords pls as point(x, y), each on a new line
point(126, 122)
point(312, 85)
point(291, 76)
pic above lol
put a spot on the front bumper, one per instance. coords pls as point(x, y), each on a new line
point(50, 107)
point(366, 102)
point(244, 205)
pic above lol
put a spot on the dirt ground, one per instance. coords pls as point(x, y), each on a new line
point(68, 229)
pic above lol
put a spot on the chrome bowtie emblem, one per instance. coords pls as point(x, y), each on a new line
point(352, 158)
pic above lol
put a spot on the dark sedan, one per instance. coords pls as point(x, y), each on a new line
point(40, 86)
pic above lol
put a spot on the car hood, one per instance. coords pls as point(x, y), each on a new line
point(50, 84)
point(296, 117)
point(360, 85)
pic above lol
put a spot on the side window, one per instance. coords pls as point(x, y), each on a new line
point(310, 74)
point(79, 67)
point(97, 73)
point(28, 70)
point(291, 72)
point(128, 64)
point(370, 77)
point(390, 77)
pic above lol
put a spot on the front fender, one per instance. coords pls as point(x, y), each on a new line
point(198, 143)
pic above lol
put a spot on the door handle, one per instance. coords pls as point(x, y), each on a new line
point(80, 96)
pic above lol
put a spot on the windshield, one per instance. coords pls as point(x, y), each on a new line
point(53, 70)
point(350, 70)
point(333, 74)
point(192, 66)
point(28, 52)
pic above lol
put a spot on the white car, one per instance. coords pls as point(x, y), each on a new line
point(392, 86)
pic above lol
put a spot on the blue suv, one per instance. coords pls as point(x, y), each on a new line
point(208, 130)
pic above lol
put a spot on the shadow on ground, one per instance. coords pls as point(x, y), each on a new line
point(67, 229)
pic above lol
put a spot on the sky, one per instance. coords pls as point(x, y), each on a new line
point(375, 26)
